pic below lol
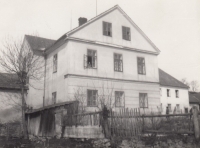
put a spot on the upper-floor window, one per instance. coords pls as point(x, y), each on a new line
point(177, 93)
point(92, 98)
point(141, 65)
point(119, 99)
point(118, 63)
point(54, 97)
point(90, 59)
point(55, 59)
point(107, 29)
point(126, 33)
point(143, 100)
point(168, 93)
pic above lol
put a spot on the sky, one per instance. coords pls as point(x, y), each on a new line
point(172, 25)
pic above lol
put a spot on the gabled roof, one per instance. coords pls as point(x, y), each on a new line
point(167, 80)
point(101, 15)
point(194, 97)
point(38, 43)
point(9, 81)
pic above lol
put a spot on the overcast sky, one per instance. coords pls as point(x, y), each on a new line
point(172, 25)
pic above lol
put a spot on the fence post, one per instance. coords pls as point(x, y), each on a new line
point(196, 122)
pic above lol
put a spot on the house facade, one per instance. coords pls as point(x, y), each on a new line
point(194, 99)
point(173, 94)
point(105, 58)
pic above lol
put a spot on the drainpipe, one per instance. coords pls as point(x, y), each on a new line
point(44, 78)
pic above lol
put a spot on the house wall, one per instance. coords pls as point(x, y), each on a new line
point(71, 62)
point(183, 99)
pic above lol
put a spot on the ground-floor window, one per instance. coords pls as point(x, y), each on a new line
point(119, 99)
point(92, 98)
point(143, 100)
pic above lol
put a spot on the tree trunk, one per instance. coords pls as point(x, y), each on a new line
point(24, 127)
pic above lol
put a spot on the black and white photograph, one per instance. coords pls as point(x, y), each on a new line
point(100, 74)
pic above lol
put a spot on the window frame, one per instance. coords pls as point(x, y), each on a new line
point(177, 93)
point(122, 99)
point(168, 94)
point(54, 97)
point(147, 106)
point(89, 105)
point(126, 37)
point(118, 63)
point(106, 25)
point(55, 63)
point(93, 57)
point(144, 65)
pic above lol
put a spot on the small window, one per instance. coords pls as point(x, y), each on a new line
point(107, 29)
point(54, 97)
point(119, 99)
point(168, 93)
point(55, 58)
point(91, 59)
point(141, 65)
point(177, 93)
point(126, 33)
point(143, 100)
point(118, 63)
point(178, 107)
point(186, 110)
point(92, 98)
point(169, 107)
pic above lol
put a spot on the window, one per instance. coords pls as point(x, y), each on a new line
point(55, 58)
point(118, 63)
point(169, 107)
point(107, 29)
point(178, 107)
point(126, 33)
point(160, 91)
point(143, 100)
point(186, 110)
point(54, 97)
point(92, 98)
point(119, 99)
point(91, 59)
point(141, 65)
point(168, 93)
point(177, 93)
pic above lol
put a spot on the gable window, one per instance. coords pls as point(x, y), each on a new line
point(169, 107)
point(54, 97)
point(118, 63)
point(141, 65)
point(119, 99)
point(143, 100)
point(126, 33)
point(91, 59)
point(177, 93)
point(107, 29)
point(168, 93)
point(92, 97)
point(55, 59)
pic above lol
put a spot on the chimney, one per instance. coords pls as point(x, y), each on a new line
point(82, 20)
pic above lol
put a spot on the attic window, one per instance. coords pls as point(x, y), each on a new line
point(126, 33)
point(107, 29)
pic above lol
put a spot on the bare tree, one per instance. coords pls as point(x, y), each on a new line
point(194, 85)
point(184, 80)
point(17, 57)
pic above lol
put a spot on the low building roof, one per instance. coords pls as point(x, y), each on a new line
point(167, 80)
point(38, 43)
point(194, 97)
point(9, 81)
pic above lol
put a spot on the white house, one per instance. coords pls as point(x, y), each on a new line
point(108, 55)
point(173, 94)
